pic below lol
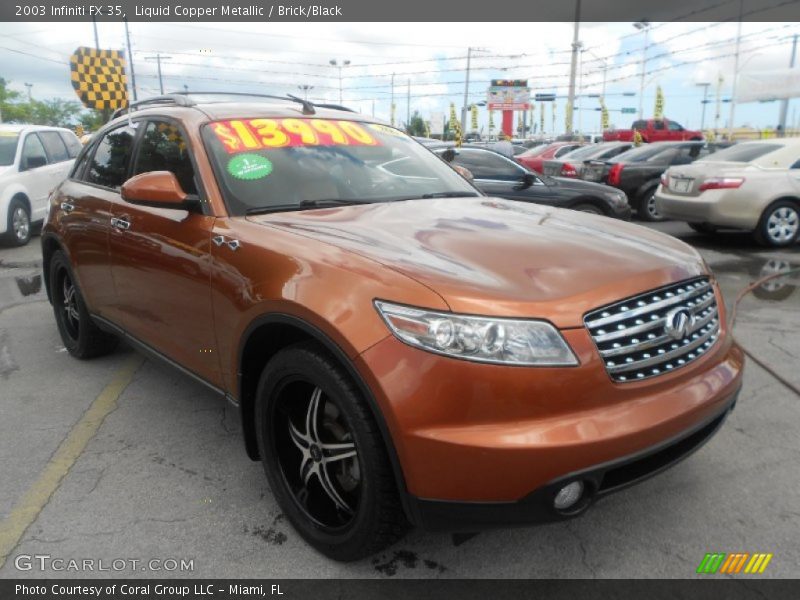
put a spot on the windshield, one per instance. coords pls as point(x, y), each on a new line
point(8, 147)
point(268, 165)
point(640, 154)
point(742, 153)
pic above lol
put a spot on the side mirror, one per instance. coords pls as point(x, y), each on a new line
point(528, 179)
point(159, 189)
point(33, 162)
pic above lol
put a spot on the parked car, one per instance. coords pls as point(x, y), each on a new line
point(572, 163)
point(534, 158)
point(33, 161)
point(753, 186)
point(653, 130)
point(400, 348)
point(637, 172)
point(497, 175)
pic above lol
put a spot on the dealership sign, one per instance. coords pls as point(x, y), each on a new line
point(509, 94)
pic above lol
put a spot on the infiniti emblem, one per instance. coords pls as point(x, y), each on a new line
point(678, 323)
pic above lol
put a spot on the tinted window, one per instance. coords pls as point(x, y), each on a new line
point(8, 147)
point(564, 150)
point(164, 149)
point(658, 125)
point(582, 152)
point(639, 125)
point(639, 154)
point(744, 152)
point(109, 165)
point(673, 126)
point(33, 154)
point(612, 152)
point(54, 145)
point(795, 165)
point(487, 165)
point(72, 142)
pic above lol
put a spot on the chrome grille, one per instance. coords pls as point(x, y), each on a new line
point(655, 332)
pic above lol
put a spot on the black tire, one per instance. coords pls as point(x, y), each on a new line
point(705, 228)
point(81, 336)
point(588, 208)
point(646, 206)
point(18, 224)
point(346, 506)
point(779, 226)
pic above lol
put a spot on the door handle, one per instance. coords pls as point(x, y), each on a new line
point(67, 207)
point(120, 224)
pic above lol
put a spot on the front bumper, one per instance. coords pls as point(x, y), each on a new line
point(538, 506)
point(478, 437)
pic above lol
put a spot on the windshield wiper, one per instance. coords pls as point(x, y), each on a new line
point(260, 210)
point(450, 195)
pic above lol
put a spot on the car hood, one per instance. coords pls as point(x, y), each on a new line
point(504, 258)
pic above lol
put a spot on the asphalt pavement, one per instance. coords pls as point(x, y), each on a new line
point(157, 469)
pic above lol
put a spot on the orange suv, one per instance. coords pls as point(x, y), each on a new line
point(402, 349)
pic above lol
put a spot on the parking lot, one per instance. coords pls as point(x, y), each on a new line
point(157, 469)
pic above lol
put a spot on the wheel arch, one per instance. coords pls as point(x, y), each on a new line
point(50, 245)
point(593, 200)
point(267, 335)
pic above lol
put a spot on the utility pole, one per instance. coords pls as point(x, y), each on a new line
point(785, 101)
point(735, 70)
point(408, 105)
point(96, 37)
point(466, 92)
point(645, 27)
point(305, 88)
point(574, 61)
point(341, 65)
point(391, 108)
point(705, 101)
point(720, 79)
point(130, 58)
point(158, 58)
point(29, 86)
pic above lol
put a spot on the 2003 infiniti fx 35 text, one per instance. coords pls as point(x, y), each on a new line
point(402, 349)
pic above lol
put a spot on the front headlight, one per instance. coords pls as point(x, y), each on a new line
point(482, 339)
point(617, 198)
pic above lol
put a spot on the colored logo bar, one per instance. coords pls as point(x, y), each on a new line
point(735, 563)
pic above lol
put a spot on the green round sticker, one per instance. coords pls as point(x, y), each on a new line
point(249, 166)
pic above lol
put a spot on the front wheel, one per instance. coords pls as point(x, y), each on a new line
point(779, 225)
point(81, 336)
point(324, 456)
point(647, 207)
point(588, 208)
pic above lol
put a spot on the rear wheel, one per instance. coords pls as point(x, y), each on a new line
point(18, 225)
point(324, 456)
point(647, 206)
point(81, 337)
point(779, 225)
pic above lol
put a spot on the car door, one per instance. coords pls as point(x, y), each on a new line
point(57, 169)
point(34, 174)
point(84, 215)
point(161, 261)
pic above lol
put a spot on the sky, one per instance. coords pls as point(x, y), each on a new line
point(429, 59)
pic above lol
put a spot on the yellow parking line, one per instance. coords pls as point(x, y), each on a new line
point(38, 495)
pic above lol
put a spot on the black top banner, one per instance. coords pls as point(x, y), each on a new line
point(406, 11)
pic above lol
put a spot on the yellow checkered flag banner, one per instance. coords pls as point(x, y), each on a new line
point(99, 79)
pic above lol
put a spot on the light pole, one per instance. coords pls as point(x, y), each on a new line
point(466, 92)
point(785, 101)
point(645, 27)
point(29, 86)
point(391, 107)
point(343, 64)
point(573, 63)
point(305, 89)
point(704, 85)
point(158, 58)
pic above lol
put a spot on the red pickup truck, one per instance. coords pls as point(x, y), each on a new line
point(653, 130)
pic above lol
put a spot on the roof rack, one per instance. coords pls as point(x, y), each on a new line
point(184, 99)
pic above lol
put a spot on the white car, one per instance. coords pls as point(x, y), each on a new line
point(33, 160)
point(754, 186)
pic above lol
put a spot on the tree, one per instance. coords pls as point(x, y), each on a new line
point(416, 126)
point(56, 112)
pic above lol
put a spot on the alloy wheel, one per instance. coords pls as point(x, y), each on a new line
point(650, 207)
point(69, 297)
point(21, 224)
point(783, 224)
point(317, 455)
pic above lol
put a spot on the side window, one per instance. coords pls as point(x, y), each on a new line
point(486, 165)
point(33, 154)
point(56, 149)
point(109, 165)
point(164, 149)
point(659, 125)
point(639, 125)
point(72, 143)
point(796, 164)
point(673, 126)
point(563, 150)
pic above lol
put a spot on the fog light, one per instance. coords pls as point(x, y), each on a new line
point(568, 496)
